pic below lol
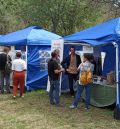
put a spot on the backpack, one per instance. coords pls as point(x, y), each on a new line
point(8, 65)
point(86, 77)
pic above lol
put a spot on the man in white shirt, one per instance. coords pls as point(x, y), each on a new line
point(18, 68)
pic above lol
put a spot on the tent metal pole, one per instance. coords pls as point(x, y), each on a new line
point(117, 73)
point(26, 52)
point(117, 109)
point(26, 65)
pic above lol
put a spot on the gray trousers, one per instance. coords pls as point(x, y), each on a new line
point(6, 77)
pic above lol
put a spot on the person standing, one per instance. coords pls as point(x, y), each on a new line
point(57, 51)
point(18, 68)
point(83, 67)
point(4, 75)
point(54, 72)
point(70, 64)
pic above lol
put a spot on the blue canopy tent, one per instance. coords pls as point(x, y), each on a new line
point(102, 34)
point(37, 40)
point(106, 35)
point(17, 38)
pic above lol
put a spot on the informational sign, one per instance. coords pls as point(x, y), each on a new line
point(87, 49)
point(57, 44)
point(44, 56)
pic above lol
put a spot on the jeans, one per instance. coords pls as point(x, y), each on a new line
point(72, 77)
point(80, 89)
point(5, 76)
point(54, 91)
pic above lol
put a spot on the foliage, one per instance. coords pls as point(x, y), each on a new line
point(59, 16)
point(9, 18)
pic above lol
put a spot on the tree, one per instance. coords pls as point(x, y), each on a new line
point(59, 16)
point(9, 18)
point(110, 8)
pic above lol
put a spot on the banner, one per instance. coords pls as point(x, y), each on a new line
point(87, 49)
point(57, 44)
point(44, 56)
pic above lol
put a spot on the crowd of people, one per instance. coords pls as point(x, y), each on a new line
point(71, 65)
point(74, 68)
point(17, 67)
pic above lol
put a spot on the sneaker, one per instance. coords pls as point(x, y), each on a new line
point(22, 96)
point(87, 108)
point(14, 97)
point(72, 107)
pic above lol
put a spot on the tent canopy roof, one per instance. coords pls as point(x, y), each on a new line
point(41, 36)
point(106, 32)
point(32, 35)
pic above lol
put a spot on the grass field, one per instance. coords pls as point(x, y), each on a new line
point(35, 112)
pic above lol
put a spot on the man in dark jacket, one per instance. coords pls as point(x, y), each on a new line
point(70, 64)
point(3, 74)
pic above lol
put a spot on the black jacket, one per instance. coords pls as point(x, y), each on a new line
point(3, 60)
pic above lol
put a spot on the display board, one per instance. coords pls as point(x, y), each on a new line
point(44, 56)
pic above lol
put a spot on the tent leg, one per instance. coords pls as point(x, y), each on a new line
point(117, 109)
point(117, 113)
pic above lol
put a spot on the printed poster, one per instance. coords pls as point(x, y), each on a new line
point(44, 56)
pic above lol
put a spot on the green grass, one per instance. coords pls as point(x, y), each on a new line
point(35, 112)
